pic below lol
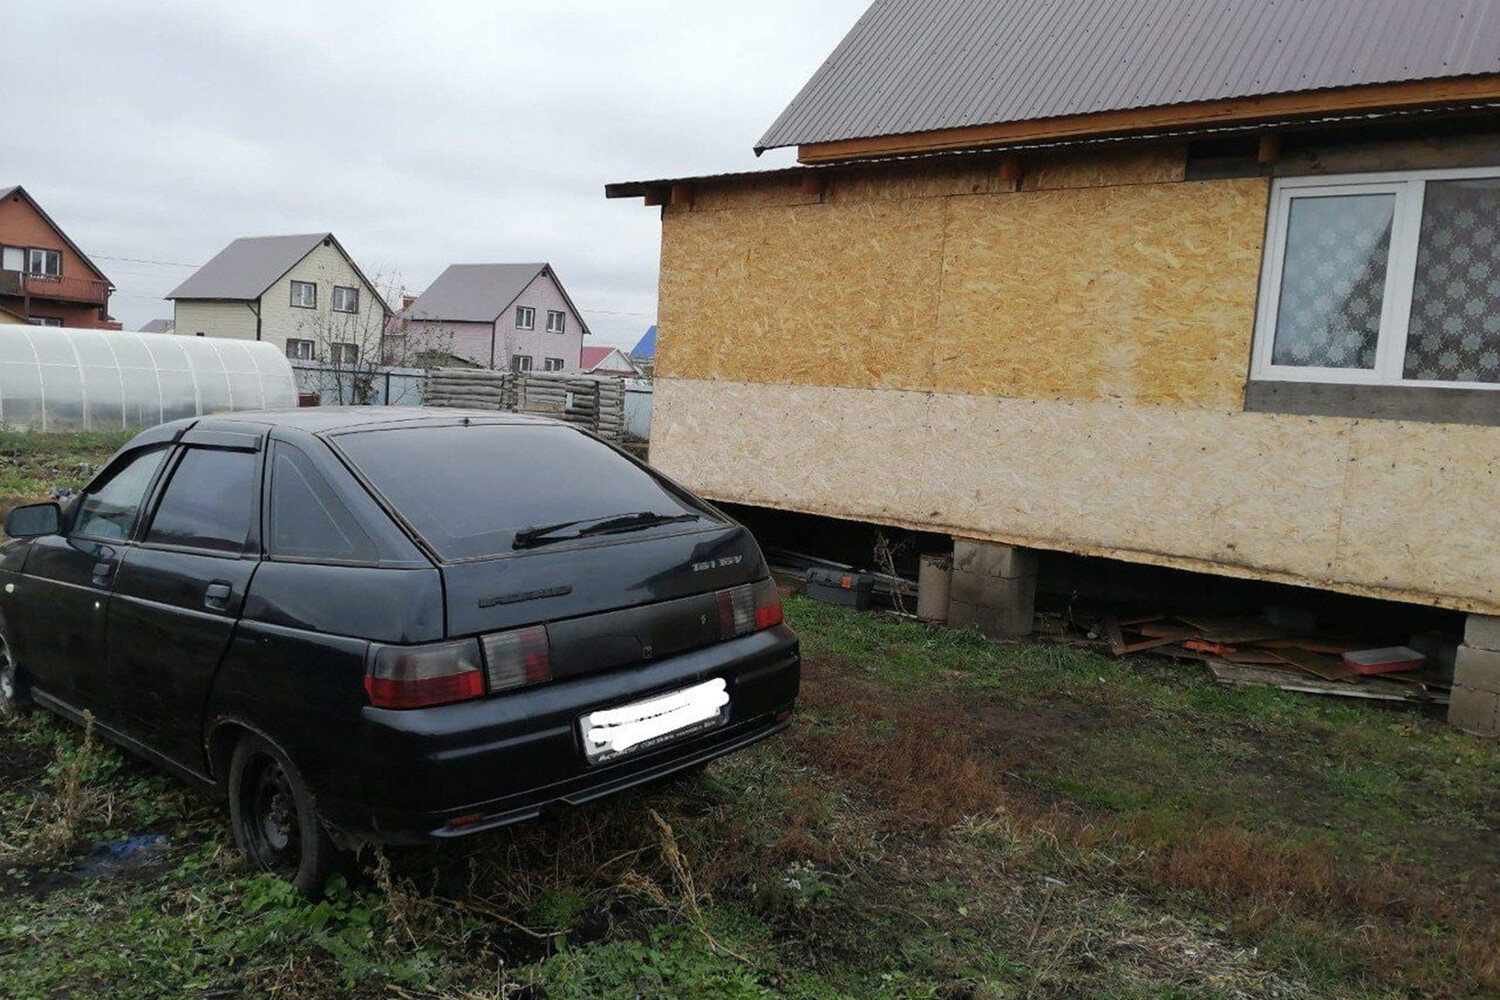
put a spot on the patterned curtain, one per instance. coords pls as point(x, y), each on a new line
point(1333, 281)
point(1455, 310)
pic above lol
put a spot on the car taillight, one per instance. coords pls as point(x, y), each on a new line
point(518, 658)
point(419, 676)
point(748, 608)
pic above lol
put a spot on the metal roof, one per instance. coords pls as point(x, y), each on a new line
point(247, 267)
point(480, 293)
point(919, 65)
point(244, 269)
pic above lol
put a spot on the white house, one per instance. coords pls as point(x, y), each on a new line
point(303, 293)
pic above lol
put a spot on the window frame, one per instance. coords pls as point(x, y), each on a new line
point(548, 366)
point(292, 285)
point(144, 512)
point(562, 321)
point(251, 549)
point(46, 252)
point(334, 299)
point(516, 366)
point(1409, 188)
point(336, 352)
point(312, 349)
point(530, 312)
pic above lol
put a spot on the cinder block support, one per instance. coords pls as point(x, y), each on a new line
point(1475, 704)
point(994, 588)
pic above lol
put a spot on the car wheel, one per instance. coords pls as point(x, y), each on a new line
point(13, 695)
point(275, 818)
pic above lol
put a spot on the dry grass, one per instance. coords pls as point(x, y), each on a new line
point(55, 821)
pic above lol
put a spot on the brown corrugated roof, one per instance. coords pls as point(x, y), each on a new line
point(921, 65)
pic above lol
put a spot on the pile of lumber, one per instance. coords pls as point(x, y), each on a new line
point(1255, 651)
point(594, 402)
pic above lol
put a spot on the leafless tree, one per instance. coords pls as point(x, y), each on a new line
point(355, 351)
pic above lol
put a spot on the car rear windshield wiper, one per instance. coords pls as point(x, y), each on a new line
point(544, 534)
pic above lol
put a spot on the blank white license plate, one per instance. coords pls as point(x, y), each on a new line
point(641, 725)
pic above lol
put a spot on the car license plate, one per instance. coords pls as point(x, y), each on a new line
point(641, 725)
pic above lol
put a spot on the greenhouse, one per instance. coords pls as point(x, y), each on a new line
point(58, 379)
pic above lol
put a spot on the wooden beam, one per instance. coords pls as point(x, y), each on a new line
point(1269, 150)
point(655, 196)
point(682, 195)
point(1335, 100)
point(815, 182)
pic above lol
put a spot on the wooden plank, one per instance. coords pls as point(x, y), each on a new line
point(1321, 666)
point(1232, 629)
point(1330, 100)
point(1250, 676)
point(1114, 635)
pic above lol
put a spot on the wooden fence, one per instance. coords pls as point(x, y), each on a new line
point(590, 401)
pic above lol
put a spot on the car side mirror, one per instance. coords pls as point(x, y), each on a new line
point(33, 520)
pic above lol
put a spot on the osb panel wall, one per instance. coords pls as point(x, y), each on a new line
point(745, 295)
point(1381, 508)
point(1143, 293)
point(1144, 166)
point(1142, 290)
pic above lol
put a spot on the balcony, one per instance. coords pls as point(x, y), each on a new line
point(58, 288)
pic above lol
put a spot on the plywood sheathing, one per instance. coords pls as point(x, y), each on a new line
point(1388, 509)
point(1070, 170)
point(1068, 292)
point(1143, 293)
point(803, 293)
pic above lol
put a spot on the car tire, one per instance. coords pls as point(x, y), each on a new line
point(15, 694)
point(275, 818)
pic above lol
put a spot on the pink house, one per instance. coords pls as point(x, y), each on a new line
point(515, 316)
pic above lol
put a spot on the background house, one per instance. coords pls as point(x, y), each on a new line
point(44, 276)
point(608, 361)
point(499, 315)
point(303, 293)
point(157, 326)
point(1229, 306)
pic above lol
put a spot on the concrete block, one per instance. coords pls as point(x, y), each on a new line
point(1006, 621)
point(1475, 711)
point(1482, 632)
point(993, 559)
point(1477, 669)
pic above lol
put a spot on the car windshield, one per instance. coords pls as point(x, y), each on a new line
point(470, 490)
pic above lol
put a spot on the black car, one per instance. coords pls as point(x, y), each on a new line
point(393, 625)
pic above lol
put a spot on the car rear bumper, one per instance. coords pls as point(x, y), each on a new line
point(502, 759)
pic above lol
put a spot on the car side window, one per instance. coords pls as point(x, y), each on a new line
point(308, 520)
point(210, 502)
point(108, 511)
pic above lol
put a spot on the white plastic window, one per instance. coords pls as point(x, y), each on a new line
point(1383, 279)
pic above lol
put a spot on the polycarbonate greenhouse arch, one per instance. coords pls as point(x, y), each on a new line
point(59, 379)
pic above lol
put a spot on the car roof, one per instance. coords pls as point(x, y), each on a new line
point(330, 419)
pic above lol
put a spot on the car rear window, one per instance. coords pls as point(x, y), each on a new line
point(468, 489)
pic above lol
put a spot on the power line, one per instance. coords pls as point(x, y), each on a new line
point(138, 260)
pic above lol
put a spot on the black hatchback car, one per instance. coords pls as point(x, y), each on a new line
point(393, 625)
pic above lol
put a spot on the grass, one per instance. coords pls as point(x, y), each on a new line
point(949, 818)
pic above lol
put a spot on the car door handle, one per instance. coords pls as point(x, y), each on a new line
point(217, 594)
point(102, 571)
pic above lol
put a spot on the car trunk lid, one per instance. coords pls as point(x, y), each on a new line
point(610, 601)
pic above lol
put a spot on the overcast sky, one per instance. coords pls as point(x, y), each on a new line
point(422, 134)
